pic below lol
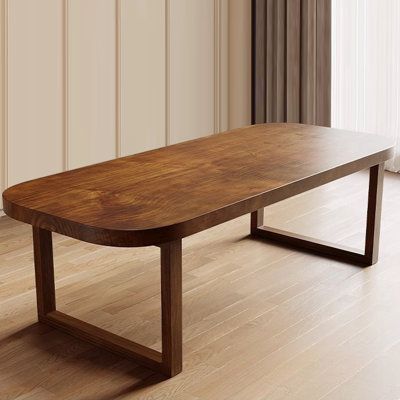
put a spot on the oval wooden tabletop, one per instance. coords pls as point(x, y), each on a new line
point(172, 192)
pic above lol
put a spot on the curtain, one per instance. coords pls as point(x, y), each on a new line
point(366, 68)
point(291, 61)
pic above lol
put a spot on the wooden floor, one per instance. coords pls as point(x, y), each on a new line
point(260, 321)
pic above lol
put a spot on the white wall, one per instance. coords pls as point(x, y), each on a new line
point(90, 80)
point(366, 68)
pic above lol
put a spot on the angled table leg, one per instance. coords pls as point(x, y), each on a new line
point(367, 257)
point(375, 191)
point(167, 362)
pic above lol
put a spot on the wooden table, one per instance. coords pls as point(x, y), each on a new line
point(161, 196)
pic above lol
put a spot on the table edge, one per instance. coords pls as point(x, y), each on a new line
point(163, 234)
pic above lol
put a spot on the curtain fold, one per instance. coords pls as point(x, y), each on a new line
point(291, 61)
point(366, 69)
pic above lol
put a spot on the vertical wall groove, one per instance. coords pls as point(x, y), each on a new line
point(65, 85)
point(118, 78)
point(218, 37)
point(223, 65)
point(4, 95)
point(167, 74)
point(6, 19)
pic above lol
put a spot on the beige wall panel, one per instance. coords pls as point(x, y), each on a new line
point(142, 75)
point(35, 139)
point(191, 69)
point(91, 81)
point(190, 37)
point(239, 63)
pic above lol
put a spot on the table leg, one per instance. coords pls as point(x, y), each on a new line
point(44, 271)
point(167, 362)
point(171, 306)
point(375, 191)
point(367, 257)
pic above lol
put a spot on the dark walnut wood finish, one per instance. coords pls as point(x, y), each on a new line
point(161, 196)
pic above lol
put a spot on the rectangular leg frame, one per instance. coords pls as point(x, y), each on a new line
point(169, 361)
point(367, 257)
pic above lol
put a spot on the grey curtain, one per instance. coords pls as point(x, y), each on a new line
point(291, 61)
